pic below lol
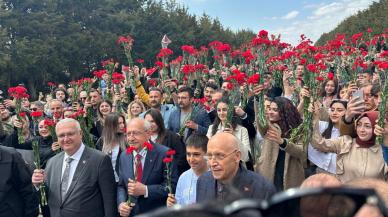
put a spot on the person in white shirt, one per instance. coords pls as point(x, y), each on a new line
point(326, 162)
point(186, 193)
point(221, 124)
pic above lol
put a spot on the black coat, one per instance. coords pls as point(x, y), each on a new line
point(173, 141)
point(99, 145)
point(17, 197)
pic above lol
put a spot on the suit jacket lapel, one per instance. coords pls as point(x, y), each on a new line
point(148, 165)
point(57, 176)
point(129, 159)
point(78, 172)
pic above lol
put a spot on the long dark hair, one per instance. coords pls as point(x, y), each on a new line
point(327, 133)
point(158, 119)
point(99, 114)
point(111, 134)
point(335, 92)
point(289, 115)
point(217, 121)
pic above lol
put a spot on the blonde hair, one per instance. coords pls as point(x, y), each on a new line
point(129, 108)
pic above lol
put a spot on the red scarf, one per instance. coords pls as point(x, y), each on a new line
point(372, 116)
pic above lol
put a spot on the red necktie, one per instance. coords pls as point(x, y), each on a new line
point(139, 168)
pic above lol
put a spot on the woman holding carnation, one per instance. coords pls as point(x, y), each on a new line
point(163, 136)
point(326, 162)
point(281, 161)
point(103, 109)
point(112, 140)
point(356, 157)
point(13, 141)
point(329, 91)
point(135, 108)
point(221, 124)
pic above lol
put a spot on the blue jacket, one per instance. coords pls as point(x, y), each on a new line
point(154, 177)
point(165, 111)
point(201, 118)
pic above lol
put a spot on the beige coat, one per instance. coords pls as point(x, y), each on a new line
point(352, 160)
point(293, 164)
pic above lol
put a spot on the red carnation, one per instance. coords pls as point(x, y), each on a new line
point(99, 73)
point(130, 149)
point(140, 61)
point(188, 69)
point(36, 114)
point(152, 82)
point(254, 79)
point(151, 71)
point(319, 78)
point(159, 64)
point(167, 160)
point(117, 78)
point(312, 68)
point(147, 145)
point(49, 122)
point(125, 40)
point(229, 86)
point(330, 75)
point(188, 49)
point(51, 84)
point(262, 34)
point(164, 52)
point(170, 152)
point(107, 62)
point(22, 114)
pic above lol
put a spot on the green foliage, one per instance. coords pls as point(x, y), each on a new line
point(375, 17)
point(62, 40)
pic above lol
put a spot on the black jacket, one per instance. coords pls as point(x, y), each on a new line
point(17, 198)
point(173, 141)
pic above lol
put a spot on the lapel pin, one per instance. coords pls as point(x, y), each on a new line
point(246, 189)
point(84, 162)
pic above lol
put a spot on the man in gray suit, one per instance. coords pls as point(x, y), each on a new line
point(80, 180)
point(227, 179)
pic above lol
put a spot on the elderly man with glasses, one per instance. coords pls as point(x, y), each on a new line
point(227, 179)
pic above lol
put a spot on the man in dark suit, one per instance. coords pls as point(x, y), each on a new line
point(180, 117)
point(80, 180)
point(142, 172)
point(17, 198)
point(228, 180)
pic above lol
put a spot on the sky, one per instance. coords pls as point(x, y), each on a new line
point(290, 18)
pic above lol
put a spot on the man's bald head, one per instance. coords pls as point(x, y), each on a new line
point(321, 180)
point(224, 156)
point(226, 140)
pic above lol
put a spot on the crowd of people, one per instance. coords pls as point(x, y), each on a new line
point(123, 144)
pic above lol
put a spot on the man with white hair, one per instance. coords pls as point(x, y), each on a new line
point(79, 180)
point(227, 179)
point(142, 172)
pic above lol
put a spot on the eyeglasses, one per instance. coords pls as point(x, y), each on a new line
point(134, 133)
point(218, 156)
point(63, 135)
point(34, 109)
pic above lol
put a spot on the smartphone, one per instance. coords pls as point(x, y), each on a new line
point(359, 94)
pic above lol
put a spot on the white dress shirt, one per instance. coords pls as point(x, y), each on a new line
point(73, 165)
point(143, 154)
point(325, 161)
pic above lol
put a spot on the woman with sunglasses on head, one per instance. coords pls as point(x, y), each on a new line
point(112, 141)
point(326, 162)
point(356, 157)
